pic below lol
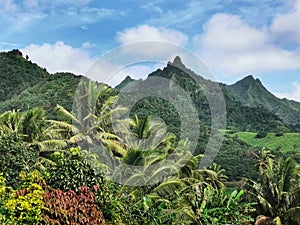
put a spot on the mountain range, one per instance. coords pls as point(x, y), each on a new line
point(249, 105)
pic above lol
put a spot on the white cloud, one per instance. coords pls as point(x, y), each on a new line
point(151, 33)
point(230, 33)
point(286, 25)
point(230, 46)
point(18, 16)
point(59, 57)
point(163, 41)
point(294, 95)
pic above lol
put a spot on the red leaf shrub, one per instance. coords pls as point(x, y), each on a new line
point(72, 208)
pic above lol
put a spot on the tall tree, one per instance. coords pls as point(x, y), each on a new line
point(90, 121)
point(277, 190)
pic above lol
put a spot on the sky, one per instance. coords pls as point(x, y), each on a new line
point(234, 38)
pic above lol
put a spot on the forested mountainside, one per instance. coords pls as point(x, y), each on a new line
point(25, 85)
point(259, 113)
point(250, 106)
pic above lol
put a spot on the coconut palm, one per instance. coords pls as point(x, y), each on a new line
point(11, 121)
point(35, 130)
point(214, 176)
point(277, 190)
point(89, 123)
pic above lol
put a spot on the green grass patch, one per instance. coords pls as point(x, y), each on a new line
point(287, 142)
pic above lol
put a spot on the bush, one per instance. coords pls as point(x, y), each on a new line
point(71, 172)
point(261, 134)
point(25, 206)
point(72, 208)
point(279, 134)
point(15, 156)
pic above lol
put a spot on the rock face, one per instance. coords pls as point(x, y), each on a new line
point(177, 61)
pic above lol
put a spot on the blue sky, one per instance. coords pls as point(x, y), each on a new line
point(234, 38)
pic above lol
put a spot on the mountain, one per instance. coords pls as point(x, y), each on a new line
point(252, 93)
point(17, 74)
point(250, 106)
point(24, 84)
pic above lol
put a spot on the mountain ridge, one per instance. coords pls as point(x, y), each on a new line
point(252, 93)
point(247, 101)
point(247, 93)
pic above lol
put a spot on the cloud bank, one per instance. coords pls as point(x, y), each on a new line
point(60, 57)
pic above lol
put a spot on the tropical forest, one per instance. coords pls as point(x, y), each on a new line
point(73, 152)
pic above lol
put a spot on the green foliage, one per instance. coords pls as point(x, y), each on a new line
point(148, 210)
point(72, 208)
point(71, 171)
point(15, 156)
point(261, 134)
point(17, 74)
point(277, 190)
point(236, 157)
point(217, 207)
point(109, 200)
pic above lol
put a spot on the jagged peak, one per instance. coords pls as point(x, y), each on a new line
point(128, 77)
point(248, 80)
point(249, 77)
point(177, 62)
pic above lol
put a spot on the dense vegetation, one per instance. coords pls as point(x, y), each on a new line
point(84, 166)
point(26, 85)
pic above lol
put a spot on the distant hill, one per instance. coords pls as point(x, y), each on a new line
point(17, 74)
point(250, 92)
point(24, 84)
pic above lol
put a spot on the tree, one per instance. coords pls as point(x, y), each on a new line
point(89, 122)
point(277, 190)
point(32, 128)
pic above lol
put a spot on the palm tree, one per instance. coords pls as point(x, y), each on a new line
point(35, 130)
point(146, 133)
point(89, 123)
point(215, 176)
point(277, 189)
point(11, 121)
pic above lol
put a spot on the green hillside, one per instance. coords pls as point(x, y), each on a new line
point(17, 74)
point(252, 93)
point(25, 85)
point(286, 142)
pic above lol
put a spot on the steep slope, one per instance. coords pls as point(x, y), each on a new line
point(252, 93)
point(239, 115)
point(24, 85)
point(250, 107)
point(17, 74)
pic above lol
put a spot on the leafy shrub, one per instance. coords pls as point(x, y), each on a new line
point(15, 156)
point(279, 134)
point(72, 208)
point(25, 206)
point(261, 134)
point(71, 172)
point(109, 199)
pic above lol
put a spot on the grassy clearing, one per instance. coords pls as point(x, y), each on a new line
point(287, 142)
